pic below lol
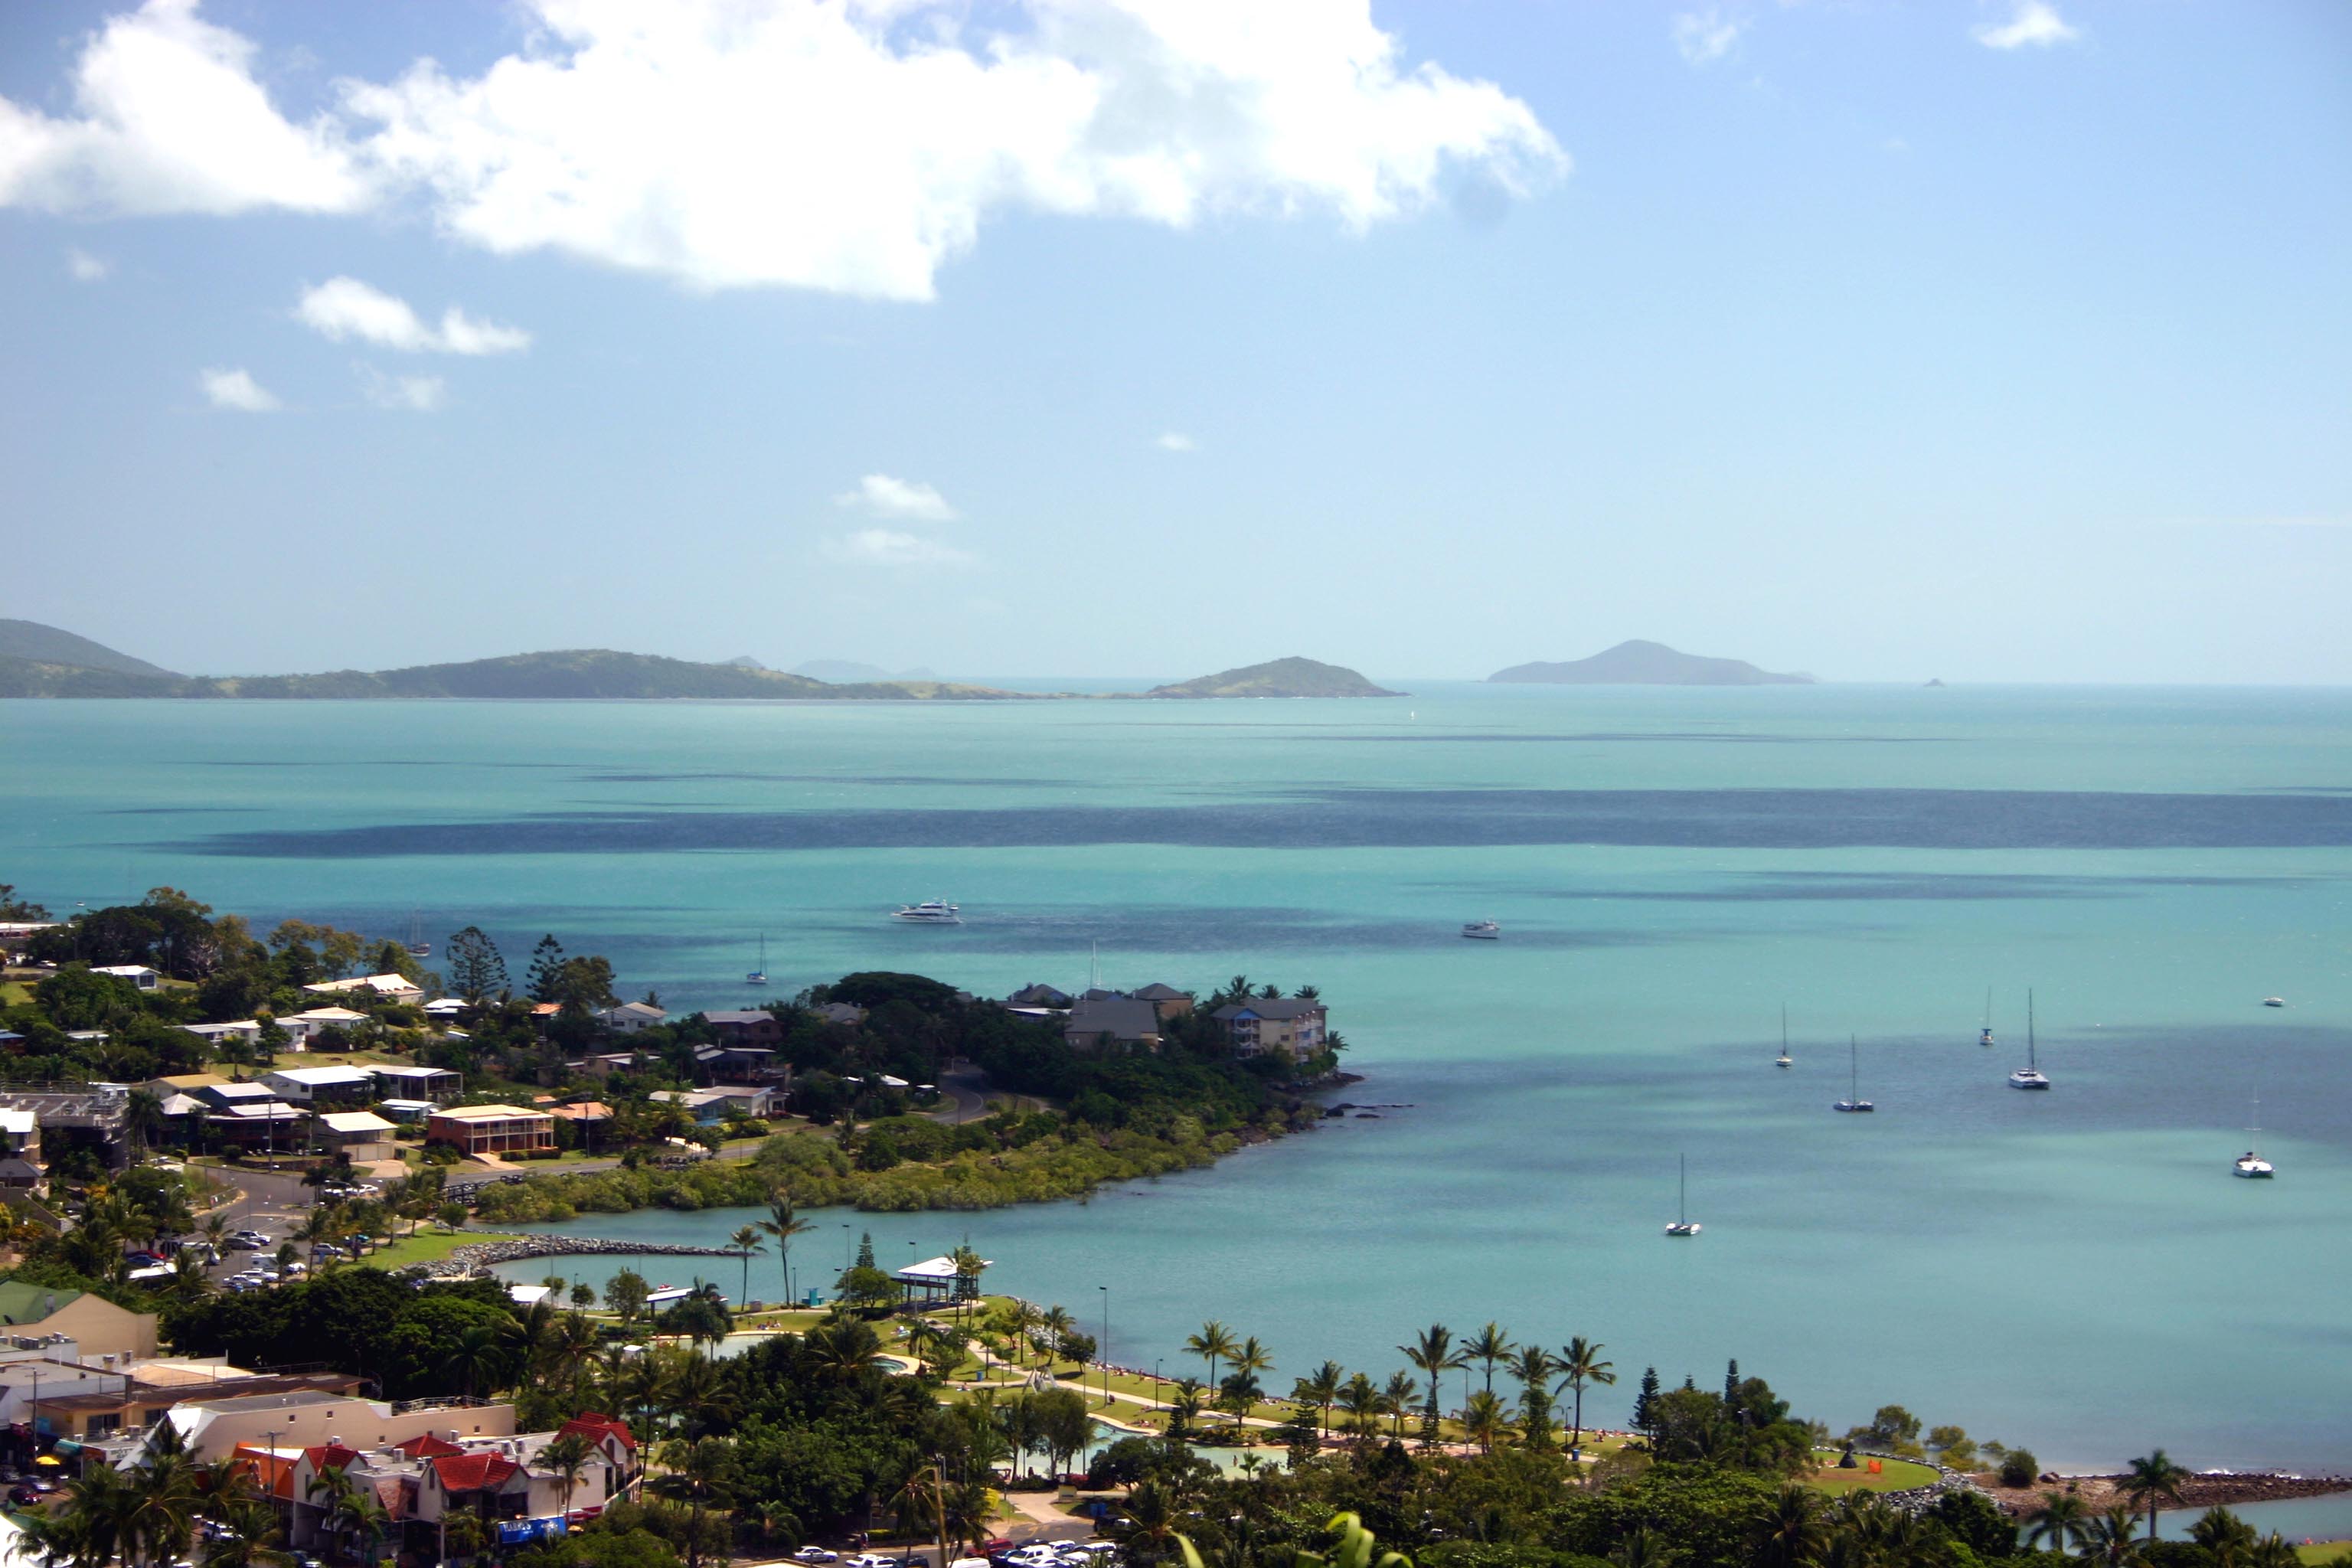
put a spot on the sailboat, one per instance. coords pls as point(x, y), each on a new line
point(417, 946)
point(1684, 1224)
point(1984, 1035)
point(760, 975)
point(2029, 1076)
point(1783, 1059)
point(1854, 1100)
point(2250, 1164)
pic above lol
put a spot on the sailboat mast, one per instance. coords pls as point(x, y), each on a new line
point(1854, 1069)
point(1681, 1189)
point(2029, 1026)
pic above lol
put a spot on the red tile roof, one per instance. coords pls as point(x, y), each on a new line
point(330, 1453)
point(594, 1428)
point(473, 1472)
point(425, 1446)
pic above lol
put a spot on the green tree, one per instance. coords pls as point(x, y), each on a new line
point(1795, 1532)
point(1532, 1367)
point(1580, 1363)
point(1433, 1351)
point(746, 1240)
point(1213, 1345)
point(2152, 1481)
point(1318, 1391)
point(476, 973)
point(625, 1293)
point(1490, 1347)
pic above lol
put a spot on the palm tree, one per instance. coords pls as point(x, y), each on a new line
point(1320, 1389)
point(1248, 1359)
point(1397, 1398)
point(476, 1357)
point(746, 1240)
point(1490, 1346)
point(1359, 1399)
point(1183, 1405)
point(1057, 1325)
point(250, 1526)
point(783, 1224)
point(1581, 1363)
point(565, 1459)
point(1482, 1420)
point(1213, 1343)
point(2111, 1540)
point(2154, 1478)
point(1432, 1351)
point(1641, 1549)
point(693, 1465)
point(2062, 1523)
point(162, 1520)
point(2227, 1538)
point(1532, 1367)
point(2274, 1551)
point(1796, 1530)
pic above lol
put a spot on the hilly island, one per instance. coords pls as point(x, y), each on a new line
point(1639, 663)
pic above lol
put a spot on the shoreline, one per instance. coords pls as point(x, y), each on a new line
point(2210, 1488)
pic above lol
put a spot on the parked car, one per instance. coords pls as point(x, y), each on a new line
point(871, 1560)
point(815, 1554)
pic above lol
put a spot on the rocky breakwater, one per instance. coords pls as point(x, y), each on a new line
point(477, 1257)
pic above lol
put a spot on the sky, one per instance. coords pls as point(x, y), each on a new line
point(1984, 339)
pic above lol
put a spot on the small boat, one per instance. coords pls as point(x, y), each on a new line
point(1783, 1059)
point(760, 975)
point(2273, 1001)
point(1854, 1100)
point(930, 913)
point(2029, 1076)
point(1684, 1224)
point(1984, 1035)
point(1482, 930)
point(2251, 1165)
point(416, 944)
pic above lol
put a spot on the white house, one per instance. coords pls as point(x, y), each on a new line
point(631, 1016)
point(391, 987)
point(300, 1026)
point(309, 1086)
point(139, 974)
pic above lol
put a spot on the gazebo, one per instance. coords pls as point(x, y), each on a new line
point(935, 1282)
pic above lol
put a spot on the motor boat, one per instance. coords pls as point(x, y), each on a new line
point(930, 913)
point(1482, 930)
point(2030, 1075)
point(2273, 1001)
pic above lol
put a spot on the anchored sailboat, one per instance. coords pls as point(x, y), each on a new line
point(1854, 1100)
point(2250, 1164)
point(1984, 1035)
point(1684, 1224)
point(760, 975)
point(417, 946)
point(1783, 1058)
point(2029, 1076)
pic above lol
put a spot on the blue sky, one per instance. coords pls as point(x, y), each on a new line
point(1982, 341)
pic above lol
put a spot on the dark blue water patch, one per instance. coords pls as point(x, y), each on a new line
point(1615, 737)
point(912, 780)
point(179, 810)
point(1804, 887)
point(1189, 929)
point(1725, 819)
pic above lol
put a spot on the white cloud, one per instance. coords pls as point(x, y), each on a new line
point(344, 308)
point(847, 145)
point(170, 120)
point(409, 393)
point(1174, 441)
point(237, 389)
point(85, 268)
point(886, 497)
point(886, 547)
point(1705, 36)
point(2034, 22)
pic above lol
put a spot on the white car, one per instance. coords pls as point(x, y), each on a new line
point(815, 1554)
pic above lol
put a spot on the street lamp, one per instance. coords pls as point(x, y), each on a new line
point(1102, 1350)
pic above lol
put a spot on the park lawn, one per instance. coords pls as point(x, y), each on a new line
point(13, 994)
point(426, 1247)
point(1896, 1475)
point(2326, 1551)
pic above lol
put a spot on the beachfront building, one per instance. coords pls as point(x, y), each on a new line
point(491, 1129)
point(1292, 1025)
point(384, 987)
point(1120, 1020)
point(1166, 1000)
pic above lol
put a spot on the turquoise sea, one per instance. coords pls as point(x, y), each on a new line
point(2075, 1271)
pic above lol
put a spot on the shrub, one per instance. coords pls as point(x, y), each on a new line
point(2019, 1468)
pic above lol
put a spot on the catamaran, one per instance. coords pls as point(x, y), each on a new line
point(1684, 1224)
point(1783, 1059)
point(1482, 930)
point(760, 975)
point(1854, 1100)
point(930, 913)
point(2250, 1164)
point(417, 946)
point(1984, 1035)
point(2029, 1076)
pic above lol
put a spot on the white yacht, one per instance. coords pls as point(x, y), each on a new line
point(2251, 1165)
point(760, 975)
point(2029, 1076)
point(2273, 1001)
point(930, 913)
point(1854, 1100)
point(1482, 930)
point(1684, 1224)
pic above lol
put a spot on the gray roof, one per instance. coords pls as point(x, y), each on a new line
point(1039, 995)
point(1271, 1007)
point(738, 1016)
point(1120, 1017)
point(1155, 992)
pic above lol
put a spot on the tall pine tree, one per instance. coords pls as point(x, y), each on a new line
point(546, 977)
point(475, 971)
point(1645, 1403)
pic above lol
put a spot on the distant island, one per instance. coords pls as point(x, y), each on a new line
point(1277, 677)
point(43, 661)
point(1639, 663)
point(841, 670)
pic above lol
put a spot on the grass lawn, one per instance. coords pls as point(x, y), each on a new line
point(427, 1245)
point(1896, 1475)
point(2326, 1551)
